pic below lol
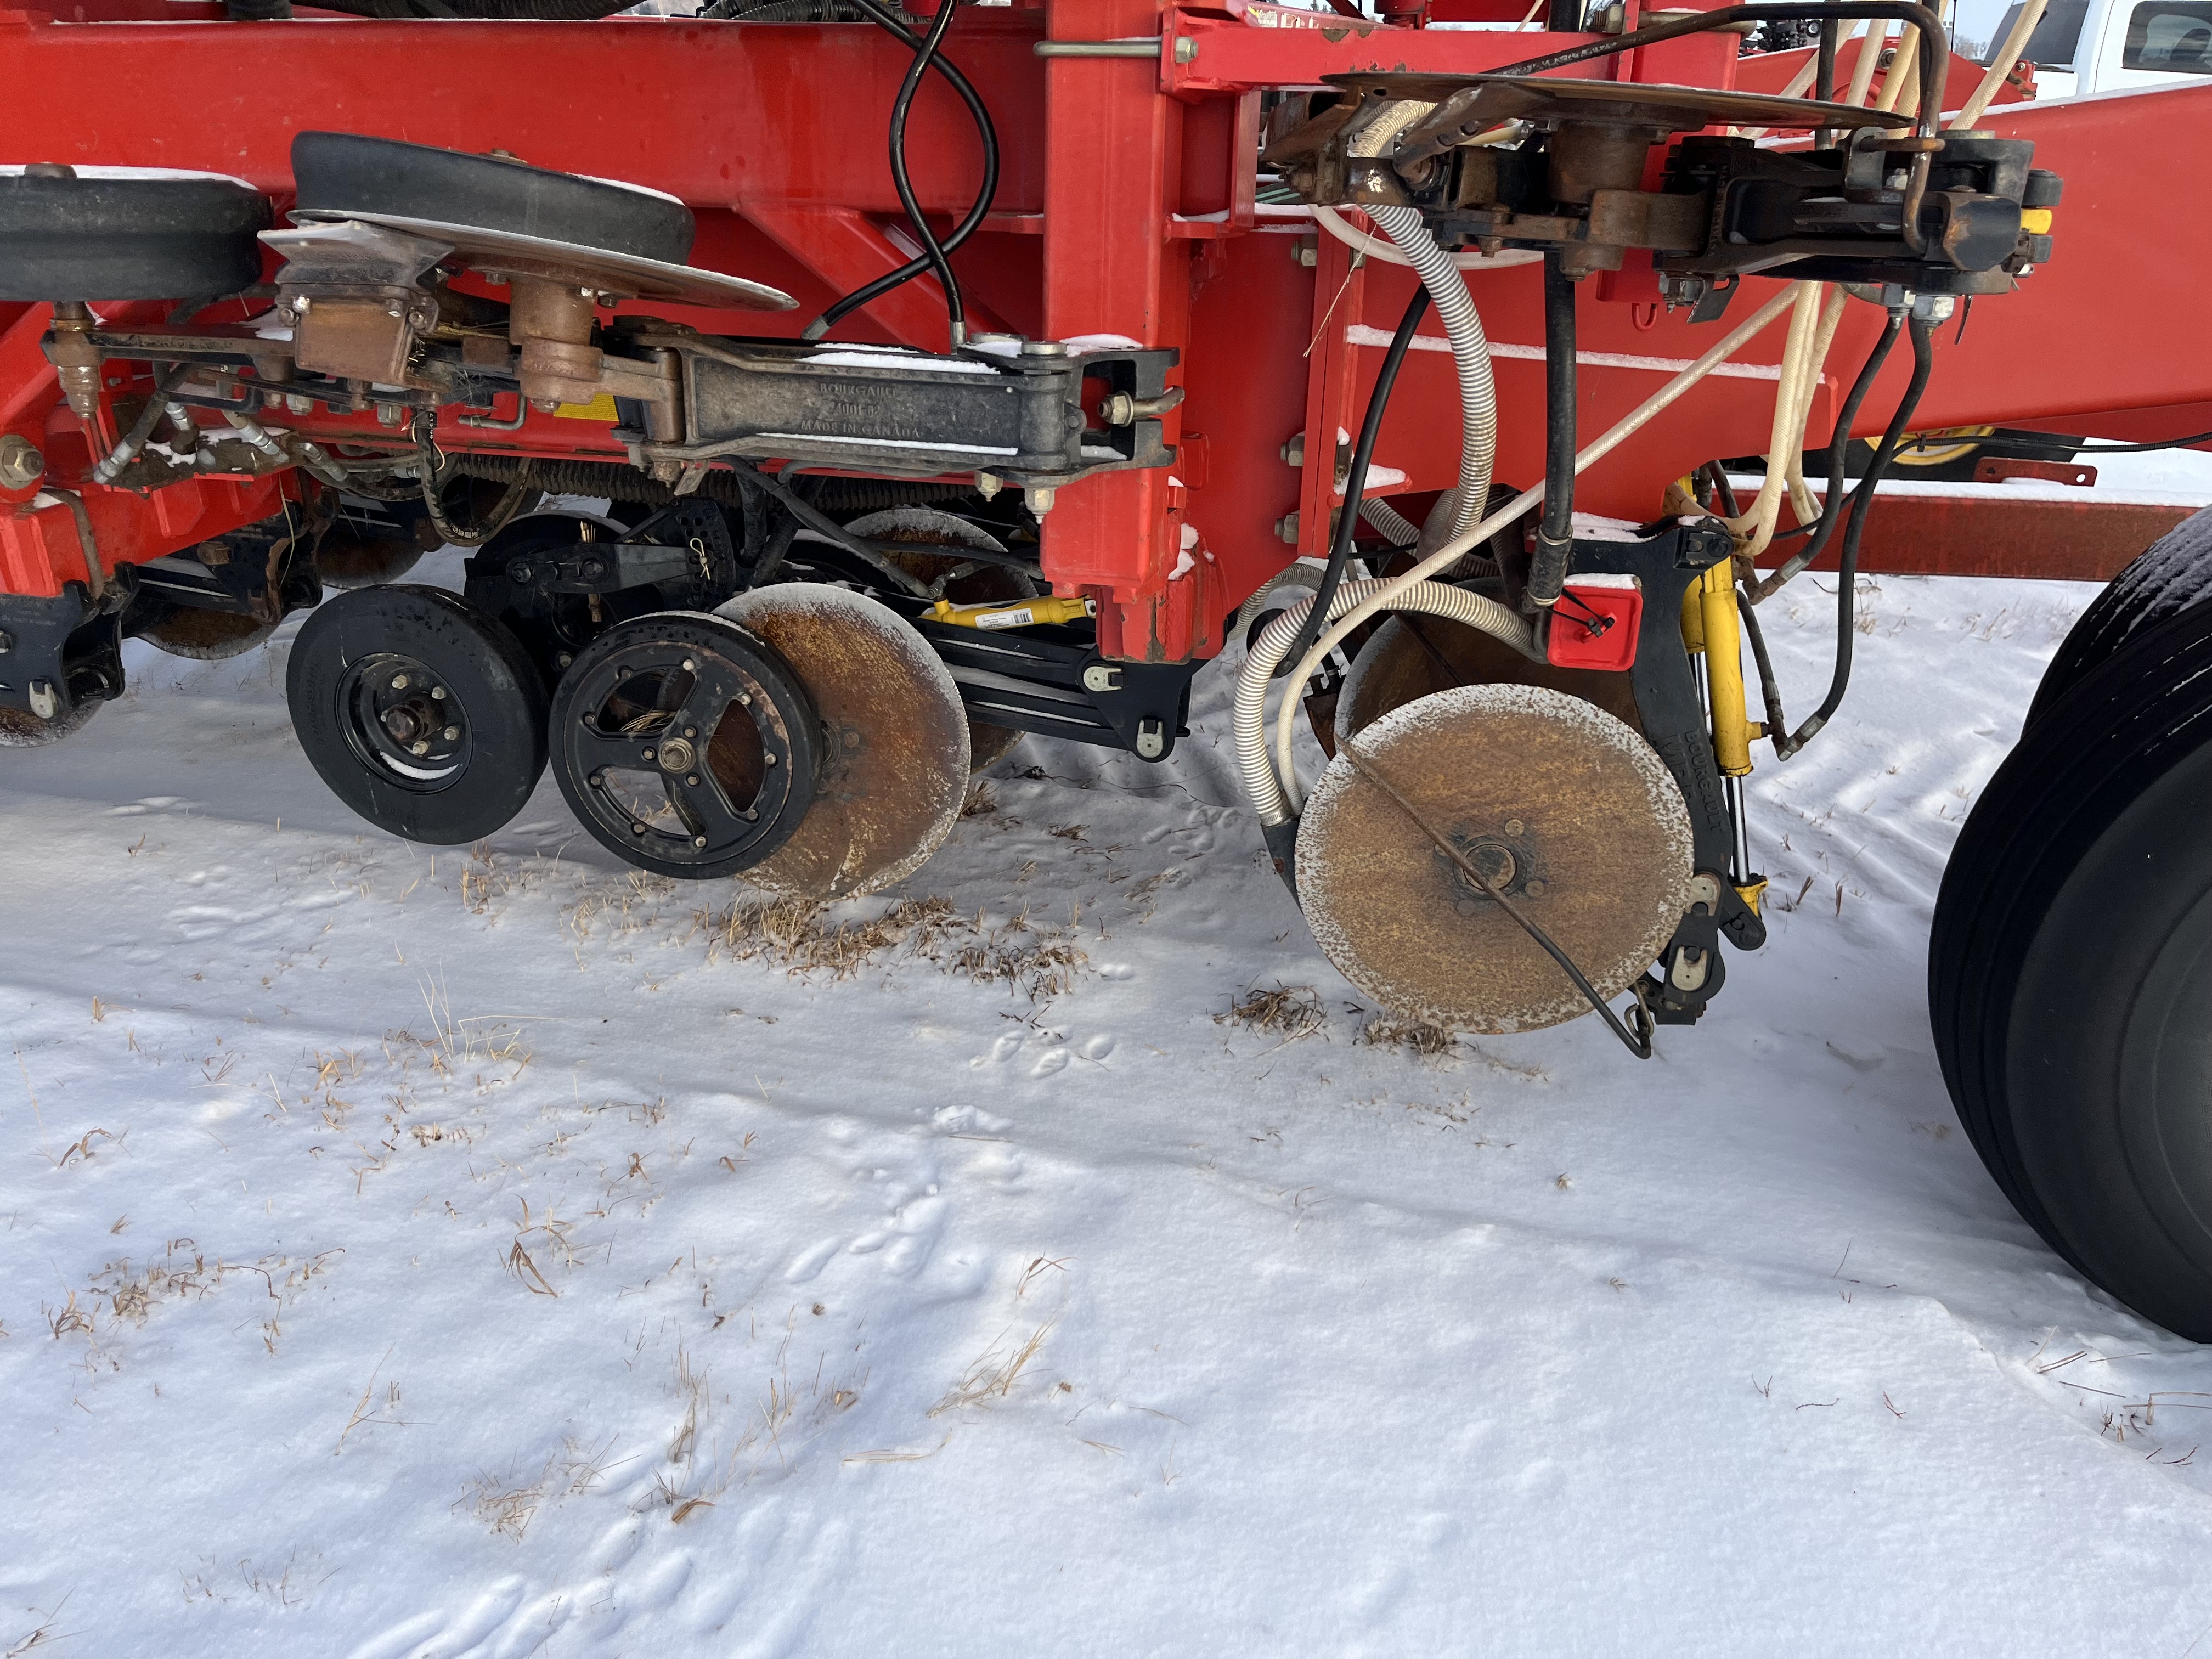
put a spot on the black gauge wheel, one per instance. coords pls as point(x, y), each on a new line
point(685, 745)
point(2070, 964)
point(419, 712)
point(126, 233)
point(350, 172)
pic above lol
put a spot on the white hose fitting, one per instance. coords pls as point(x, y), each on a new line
point(1462, 326)
point(1262, 784)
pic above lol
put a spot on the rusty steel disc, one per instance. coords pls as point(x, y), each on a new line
point(1565, 809)
point(894, 769)
point(209, 635)
point(1413, 656)
point(927, 527)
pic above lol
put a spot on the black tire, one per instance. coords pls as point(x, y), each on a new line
point(2168, 577)
point(2074, 922)
point(348, 656)
point(188, 236)
point(347, 172)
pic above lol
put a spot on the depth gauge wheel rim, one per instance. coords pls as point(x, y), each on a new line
point(684, 745)
point(419, 711)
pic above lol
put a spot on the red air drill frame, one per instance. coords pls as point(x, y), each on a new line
point(1125, 208)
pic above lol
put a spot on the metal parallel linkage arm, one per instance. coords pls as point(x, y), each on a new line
point(1637, 1041)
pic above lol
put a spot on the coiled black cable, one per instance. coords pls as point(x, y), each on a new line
point(933, 257)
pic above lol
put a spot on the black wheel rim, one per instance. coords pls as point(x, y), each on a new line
point(403, 723)
point(683, 745)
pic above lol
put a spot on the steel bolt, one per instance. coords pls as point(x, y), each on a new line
point(690, 731)
point(21, 466)
point(1535, 889)
point(688, 664)
point(637, 829)
point(693, 780)
point(767, 760)
point(1514, 826)
point(420, 746)
point(649, 754)
point(437, 693)
point(399, 682)
point(698, 841)
point(450, 733)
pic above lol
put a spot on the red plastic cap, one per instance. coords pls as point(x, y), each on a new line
point(1595, 624)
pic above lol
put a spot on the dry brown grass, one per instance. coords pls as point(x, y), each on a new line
point(992, 1374)
point(1422, 1039)
point(1293, 1010)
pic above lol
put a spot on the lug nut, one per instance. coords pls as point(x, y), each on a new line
point(450, 733)
point(420, 746)
point(399, 682)
point(1514, 826)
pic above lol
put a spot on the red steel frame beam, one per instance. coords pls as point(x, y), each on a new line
point(1147, 234)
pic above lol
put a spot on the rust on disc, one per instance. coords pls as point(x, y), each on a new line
point(1564, 808)
point(927, 527)
point(894, 740)
point(1412, 656)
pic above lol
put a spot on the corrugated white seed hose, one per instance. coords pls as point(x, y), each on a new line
point(1261, 782)
point(1250, 711)
point(1379, 250)
point(2007, 54)
point(1470, 347)
point(1812, 328)
point(1389, 523)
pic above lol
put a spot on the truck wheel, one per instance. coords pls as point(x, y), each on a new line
point(2172, 575)
point(419, 712)
point(2070, 961)
point(126, 233)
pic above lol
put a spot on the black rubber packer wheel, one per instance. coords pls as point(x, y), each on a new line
point(68, 233)
point(685, 745)
point(2070, 961)
point(2172, 575)
point(421, 713)
point(347, 173)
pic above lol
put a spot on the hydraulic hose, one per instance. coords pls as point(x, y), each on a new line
point(1831, 508)
point(1262, 784)
point(985, 196)
point(1923, 364)
point(1555, 535)
point(1470, 348)
point(1355, 478)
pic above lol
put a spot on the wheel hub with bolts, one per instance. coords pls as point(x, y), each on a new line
point(684, 745)
point(397, 715)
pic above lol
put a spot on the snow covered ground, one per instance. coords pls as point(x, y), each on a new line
point(507, 1253)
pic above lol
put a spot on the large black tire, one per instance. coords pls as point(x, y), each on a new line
point(82, 236)
point(2069, 965)
point(2172, 575)
point(347, 172)
point(347, 656)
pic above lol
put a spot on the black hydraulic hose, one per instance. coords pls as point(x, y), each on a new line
point(1555, 535)
point(2013, 441)
point(1824, 528)
point(1770, 688)
point(884, 285)
point(1355, 480)
point(956, 315)
point(1923, 364)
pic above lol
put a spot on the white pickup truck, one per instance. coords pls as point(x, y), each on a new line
point(2083, 47)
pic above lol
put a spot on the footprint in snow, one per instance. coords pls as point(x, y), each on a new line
point(443, 1635)
point(1052, 1060)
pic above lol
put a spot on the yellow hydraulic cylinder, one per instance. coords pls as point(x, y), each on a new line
point(1723, 637)
point(1013, 613)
